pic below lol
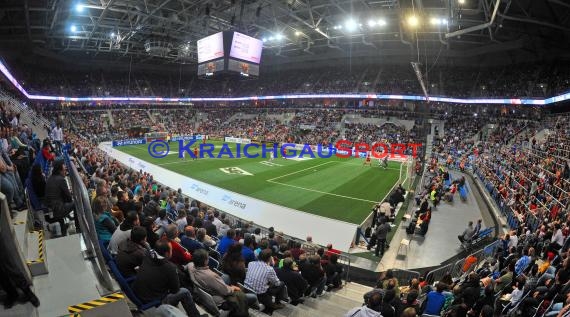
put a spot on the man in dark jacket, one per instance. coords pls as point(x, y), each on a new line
point(381, 234)
point(132, 252)
point(58, 197)
point(312, 271)
point(296, 284)
point(189, 242)
point(157, 279)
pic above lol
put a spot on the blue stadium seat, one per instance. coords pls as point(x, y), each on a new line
point(213, 263)
point(106, 254)
point(126, 288)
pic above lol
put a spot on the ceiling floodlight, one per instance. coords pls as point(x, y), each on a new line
point(413, 21)
point(350, 25)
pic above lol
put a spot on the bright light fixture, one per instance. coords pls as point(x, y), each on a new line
point(434, 21)
point(79, 8)
point(350, 25)
point(264, 39)
point(279, 36)
point(297, 33)
point(461, 1)
point(413, 21)
point(73, 28)
point(371, 23)
point(271, 38)
point(381, 22)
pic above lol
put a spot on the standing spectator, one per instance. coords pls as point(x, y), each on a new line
point(381, 234)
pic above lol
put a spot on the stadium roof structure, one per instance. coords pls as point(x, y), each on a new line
point(166, 31)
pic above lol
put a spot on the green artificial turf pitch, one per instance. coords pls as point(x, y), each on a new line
point(338, 188)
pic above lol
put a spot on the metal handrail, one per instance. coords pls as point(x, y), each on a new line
point(86, 222)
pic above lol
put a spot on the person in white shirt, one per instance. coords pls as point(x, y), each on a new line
point(513, 240)
point(557, 240)
point(57, 134)
point(216, 221)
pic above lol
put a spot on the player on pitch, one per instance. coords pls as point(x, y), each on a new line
point(368, 160)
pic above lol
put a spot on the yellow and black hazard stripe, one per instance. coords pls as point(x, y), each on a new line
point(40, 248)
point(96, 303)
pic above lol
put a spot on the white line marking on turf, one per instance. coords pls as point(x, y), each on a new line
point(308, 168)
point(321, 192)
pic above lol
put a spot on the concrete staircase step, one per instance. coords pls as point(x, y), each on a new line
point(357, 287)
point(110, 305)
point(21, 228)
point(36, 259)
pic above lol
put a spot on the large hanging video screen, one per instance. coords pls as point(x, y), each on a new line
point(246, 48)
point(211, 47)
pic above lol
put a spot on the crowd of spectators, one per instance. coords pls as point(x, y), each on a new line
point(525, 80)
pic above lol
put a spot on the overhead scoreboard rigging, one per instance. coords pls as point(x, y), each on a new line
point(229, 53)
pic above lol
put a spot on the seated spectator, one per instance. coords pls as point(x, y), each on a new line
point(411, 301)
point(233, 264)
point(105, 224)
point(309, 245)
point(124, 231)
point(257, 235)
point(131, 252)
point(263, 281)
point(505, 279)
point(189, 242)
point(214, 285)
point(179, 255)
point(389, 279)
point(330, 250)
point(435, 300)
point(227, 241)
point(247, 249)
point(371, 309)
point(313, 273)
point(205, 239)
point(151, 237)
point(161, 222)
point(10, 186)
point(124, 204)
point(334, 272)
point(296, 251)
point(47, 150)
point(38, 180)
point(157, 279)
point(296, 284)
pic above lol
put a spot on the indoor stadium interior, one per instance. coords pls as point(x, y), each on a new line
point(304, 158)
